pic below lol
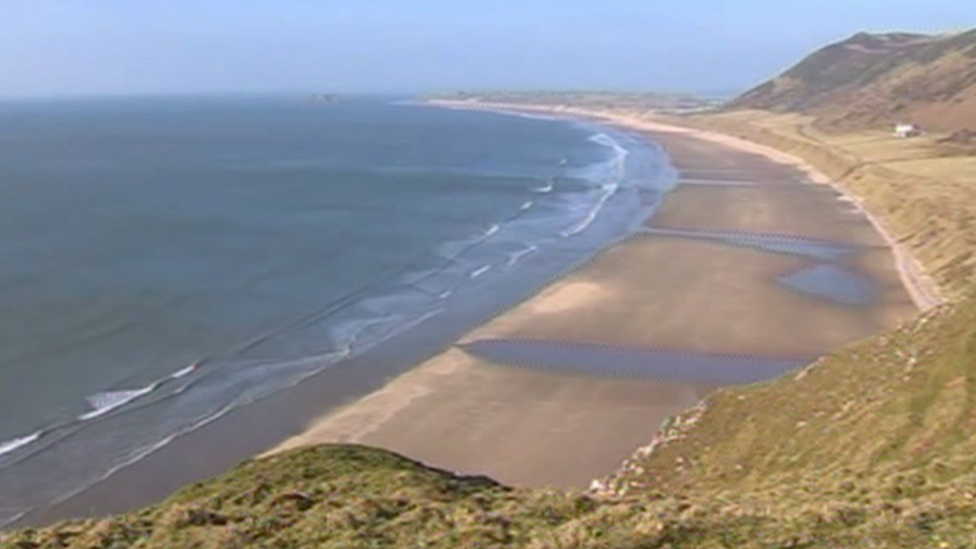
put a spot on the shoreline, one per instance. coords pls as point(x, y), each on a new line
point(429, 399)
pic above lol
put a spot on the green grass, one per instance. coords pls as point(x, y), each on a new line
point(330, 496)
point(358, 497)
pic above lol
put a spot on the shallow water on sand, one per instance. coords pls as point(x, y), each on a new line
point(633, 362)
point(834, 283)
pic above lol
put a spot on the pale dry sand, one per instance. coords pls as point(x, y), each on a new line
point(536, 428)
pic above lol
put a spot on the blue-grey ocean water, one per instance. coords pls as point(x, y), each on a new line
point(163, 261)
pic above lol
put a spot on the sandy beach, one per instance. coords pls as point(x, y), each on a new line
point(709, 278)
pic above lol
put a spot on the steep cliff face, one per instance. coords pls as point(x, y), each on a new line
point(878, 80)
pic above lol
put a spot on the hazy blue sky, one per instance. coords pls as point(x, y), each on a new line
point(51, 47)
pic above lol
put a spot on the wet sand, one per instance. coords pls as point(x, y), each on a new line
point(532, 426)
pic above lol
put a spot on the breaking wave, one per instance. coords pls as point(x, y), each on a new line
point(17, 443)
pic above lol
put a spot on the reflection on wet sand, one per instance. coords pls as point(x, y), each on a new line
point(600, 360)
point(794, 245)
point(835, 283)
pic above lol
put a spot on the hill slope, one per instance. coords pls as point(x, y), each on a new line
point(878, 437)
point(878, 80)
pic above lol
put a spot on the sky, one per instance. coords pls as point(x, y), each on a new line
point(135, 47)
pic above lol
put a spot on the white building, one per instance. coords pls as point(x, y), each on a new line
point(903, 131)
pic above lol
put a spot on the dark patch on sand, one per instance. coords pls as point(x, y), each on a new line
point(622, 361)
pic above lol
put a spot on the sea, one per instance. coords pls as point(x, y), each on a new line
point(164, 261)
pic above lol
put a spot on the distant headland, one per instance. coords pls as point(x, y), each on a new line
point(323, 98)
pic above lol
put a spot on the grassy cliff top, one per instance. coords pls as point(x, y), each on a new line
point(877, 80)
point(356, 497)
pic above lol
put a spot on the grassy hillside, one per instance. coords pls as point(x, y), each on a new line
point(331, 496)
point(878, 436)
point(346, 497)
point(879, 80)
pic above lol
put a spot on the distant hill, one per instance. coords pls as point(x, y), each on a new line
point(874, 80)
point(588, 99)
point(323, 98)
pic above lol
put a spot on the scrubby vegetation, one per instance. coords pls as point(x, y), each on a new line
point(870, 447)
